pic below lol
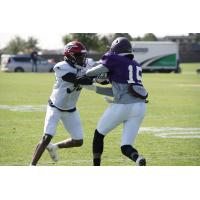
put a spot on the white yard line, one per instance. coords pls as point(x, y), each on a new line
point(164, 132)
point(188, 85)
point(171, 132)
point(24, 108)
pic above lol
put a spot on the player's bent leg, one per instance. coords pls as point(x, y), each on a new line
point(72, 124)
point(70, 143)
point(41, 148)
point(77, 143)
point(109, 121)
point(98, 143)
point(129, 152)
point(132, 153)
point(52, 148)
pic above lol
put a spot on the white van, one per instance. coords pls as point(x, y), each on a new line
point(157, 56)
point(22, 63)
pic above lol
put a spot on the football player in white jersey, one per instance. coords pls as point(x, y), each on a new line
point(62, 102)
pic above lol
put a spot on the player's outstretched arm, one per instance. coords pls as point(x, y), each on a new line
point(107, 91)
point(95, 71)
point(72, 78)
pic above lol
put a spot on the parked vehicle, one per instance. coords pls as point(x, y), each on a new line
point(22, 63)
point(157, 56)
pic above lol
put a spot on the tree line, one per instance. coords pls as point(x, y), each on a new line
point(93, 41)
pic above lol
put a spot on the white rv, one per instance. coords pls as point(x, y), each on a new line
point(157, 56)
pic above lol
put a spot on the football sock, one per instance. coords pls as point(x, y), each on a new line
point(96, 161)
point(97, 148)
point(130, 152)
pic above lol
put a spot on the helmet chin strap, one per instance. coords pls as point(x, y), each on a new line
point(68, 61)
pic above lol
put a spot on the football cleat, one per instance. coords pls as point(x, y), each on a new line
point(52, 149)
point(141, 161)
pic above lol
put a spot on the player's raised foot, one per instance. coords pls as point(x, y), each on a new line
point(141, 161)
point(52, 149)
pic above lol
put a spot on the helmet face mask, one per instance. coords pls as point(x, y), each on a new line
point(75, 54)
point(80, 58)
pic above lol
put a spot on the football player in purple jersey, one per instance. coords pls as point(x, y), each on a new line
point(128, 106)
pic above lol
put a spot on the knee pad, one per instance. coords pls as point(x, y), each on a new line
point(46, 139)
point(98, 136)
point(98, 142)
point(128, 150)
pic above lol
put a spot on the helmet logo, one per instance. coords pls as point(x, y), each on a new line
point(71, 46)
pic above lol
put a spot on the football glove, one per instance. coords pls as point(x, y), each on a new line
point(102, 79)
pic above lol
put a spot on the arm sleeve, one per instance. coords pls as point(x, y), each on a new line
point(69, 77)
point(99, 69)
point(99, 90)
point(104, 91)
point(72, 78)
point(84, 80)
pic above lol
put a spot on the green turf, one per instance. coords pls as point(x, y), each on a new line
point(174, 102)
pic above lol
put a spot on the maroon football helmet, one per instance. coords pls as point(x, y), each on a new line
point(75, 53)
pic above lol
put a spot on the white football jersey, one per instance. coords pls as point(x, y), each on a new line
point(64, 95)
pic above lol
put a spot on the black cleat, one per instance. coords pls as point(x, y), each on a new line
point(141, 161)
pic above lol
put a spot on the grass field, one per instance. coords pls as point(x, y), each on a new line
point(170, 133)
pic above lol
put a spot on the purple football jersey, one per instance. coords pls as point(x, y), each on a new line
point(122, 69)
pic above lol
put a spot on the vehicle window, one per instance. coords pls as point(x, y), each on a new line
point(21, 59)
point(42, 60)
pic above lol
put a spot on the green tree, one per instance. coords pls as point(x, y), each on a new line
point(94, 41)
point(32, 43)
point(196, 36)
point(15, 45)
point(19, 45)
point(103, 44)
point(137, 38)
point(149, 37)
point(127, 35)
point(90, 40)
point(112, 36)
point(67, 38)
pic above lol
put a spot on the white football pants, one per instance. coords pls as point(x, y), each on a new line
point(70, 120)
point(131, 115)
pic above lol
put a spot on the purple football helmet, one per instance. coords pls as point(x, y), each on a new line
point(121, 46)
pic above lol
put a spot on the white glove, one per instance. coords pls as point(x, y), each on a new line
point(101, 78)
point(107, 99)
